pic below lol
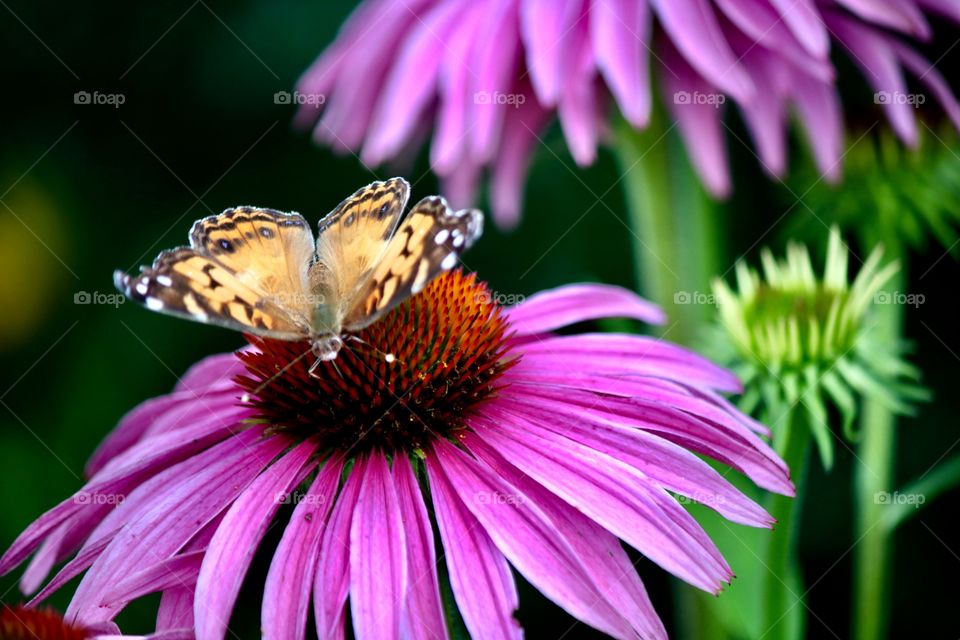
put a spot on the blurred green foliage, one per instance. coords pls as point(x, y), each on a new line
point(91, 188)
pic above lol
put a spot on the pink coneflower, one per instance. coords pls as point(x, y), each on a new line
point(488, 76)
point(525, 449)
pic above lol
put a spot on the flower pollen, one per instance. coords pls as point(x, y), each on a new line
point(409, 377)
point(21, 623)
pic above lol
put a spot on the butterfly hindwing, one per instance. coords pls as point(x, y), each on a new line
point(350, 242)
point(429, 241)
point(246, 269)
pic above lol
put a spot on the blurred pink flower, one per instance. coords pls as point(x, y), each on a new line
point(541, 452)
point(488, 75)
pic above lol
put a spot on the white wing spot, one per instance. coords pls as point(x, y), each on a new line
point(449, 262)
point(442, 236)
point(457, 239)
point(165, 280)
point(154, 304)
point(142, 288)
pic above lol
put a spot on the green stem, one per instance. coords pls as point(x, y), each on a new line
point(942, 478)
point(673, 224)
point(783, 608)
point(873, 475)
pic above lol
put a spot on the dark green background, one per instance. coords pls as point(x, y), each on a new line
point(93, 188)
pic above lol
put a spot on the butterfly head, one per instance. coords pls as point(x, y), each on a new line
point(327, 347)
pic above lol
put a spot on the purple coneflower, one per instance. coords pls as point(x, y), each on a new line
point(524, 448)
point(491, 73)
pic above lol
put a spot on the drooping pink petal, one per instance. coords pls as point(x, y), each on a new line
point(555, 308)
point(423, 613)
point(213, 373)
point(947, 8)
point(669, 465)
point(60, 544)
point(235, 542)
point(600, 553)
point(578, 108)
point(896, 14)
point(176, 609)
point(934, 81)
point(378, 559)
point(410, 84)
point(695, 31)
point(286, 598)
point(528, 538)
point(177, 515)
point(521, 133)
point(493, 69)
point(818, 108)
point(617, 497)
point(697, 107)
point(620, 34)
point(629, 354)
point(544, 27)
point(332, 581)
point(480, 577)
point(803, 18)
point(872, 51)
point(180, 571)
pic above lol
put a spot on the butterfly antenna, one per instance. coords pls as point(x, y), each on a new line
point(263, 385)
point(388, 357)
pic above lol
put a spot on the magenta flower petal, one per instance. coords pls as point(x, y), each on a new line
point(527, 538)
point(902, 16)
point(176, 609)
point(479, 574)
point(620, 33)
point(545, 25)
point(600, 553)
point(423, 619)
point(178, 571)
point(563, 306)
point(929, 76)
point(236, 539)
point(695, 31)
point(378, 559)
point(332, 580)
point(286, 598)
point(804, 20)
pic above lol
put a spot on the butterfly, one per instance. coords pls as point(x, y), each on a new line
point(260, 271)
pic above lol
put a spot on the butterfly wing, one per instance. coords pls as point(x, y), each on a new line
point(351, 242)
point(245, 269)
point(429, 241)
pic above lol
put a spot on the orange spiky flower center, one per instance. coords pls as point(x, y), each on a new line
point(409, 377)
point(21, 623)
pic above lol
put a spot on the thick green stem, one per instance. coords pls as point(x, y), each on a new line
point(783, 608)
point(873, 475)
point(673, 225)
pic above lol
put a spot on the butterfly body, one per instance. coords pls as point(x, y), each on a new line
point(260, 271)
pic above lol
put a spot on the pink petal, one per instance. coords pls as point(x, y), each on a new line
point(873, 52)
point(818, 107)
point(378, 558)
point(529, 540)
point(423, 613)
point(410, 84)
point(544, 25)
point(894, 14)
point(600, 553)
point(620, 33)
point(803, 18)
point(697, 107)
point(934, 81)
point(948, 8)
point(176, 515)
point(620, 499)
point(176, 609)
point(332, 581)
point(480, 577)
point(179, 571)
point(213, 373)
point(629, 354)
point(695, 31)
point(237, 538)
point(578, 109)
point(286, 598)
point(555, 308)
point(669, 465)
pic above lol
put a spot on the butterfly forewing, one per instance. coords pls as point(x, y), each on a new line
point(350, 244)
point(429, 241)
point(246, 269)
